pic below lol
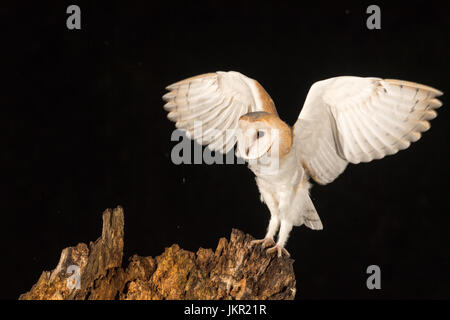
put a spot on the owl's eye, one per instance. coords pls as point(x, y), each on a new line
point(260, 134)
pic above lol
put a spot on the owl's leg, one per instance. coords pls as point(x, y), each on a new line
point(274, 223)
point(285, 229)
point(271, 231)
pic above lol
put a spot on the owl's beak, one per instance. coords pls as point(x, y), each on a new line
point(242, 152)
point(250, 148)
point(242, 149)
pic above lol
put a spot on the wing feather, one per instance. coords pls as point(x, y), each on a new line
point(207, 107)
point(351, 120)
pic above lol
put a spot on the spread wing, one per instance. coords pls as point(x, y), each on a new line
point(207, 107)
point(352, 119)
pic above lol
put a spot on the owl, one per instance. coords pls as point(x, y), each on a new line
point(343, 120)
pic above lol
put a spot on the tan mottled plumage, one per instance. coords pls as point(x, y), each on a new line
point(343, 120)
point(267, 103)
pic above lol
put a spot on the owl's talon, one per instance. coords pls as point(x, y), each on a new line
point(279, 249)
point(266, 242)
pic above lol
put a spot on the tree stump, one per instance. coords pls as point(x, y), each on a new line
point(233, 271)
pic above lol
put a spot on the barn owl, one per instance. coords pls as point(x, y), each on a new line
point(344, 120)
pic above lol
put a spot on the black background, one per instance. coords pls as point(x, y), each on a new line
point(84, 130)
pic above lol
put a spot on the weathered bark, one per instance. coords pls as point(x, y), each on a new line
point(233, 271)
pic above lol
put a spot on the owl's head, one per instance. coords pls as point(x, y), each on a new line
point(260, 132)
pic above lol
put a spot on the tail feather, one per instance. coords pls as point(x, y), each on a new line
point(305, 212)
point(310, 216)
